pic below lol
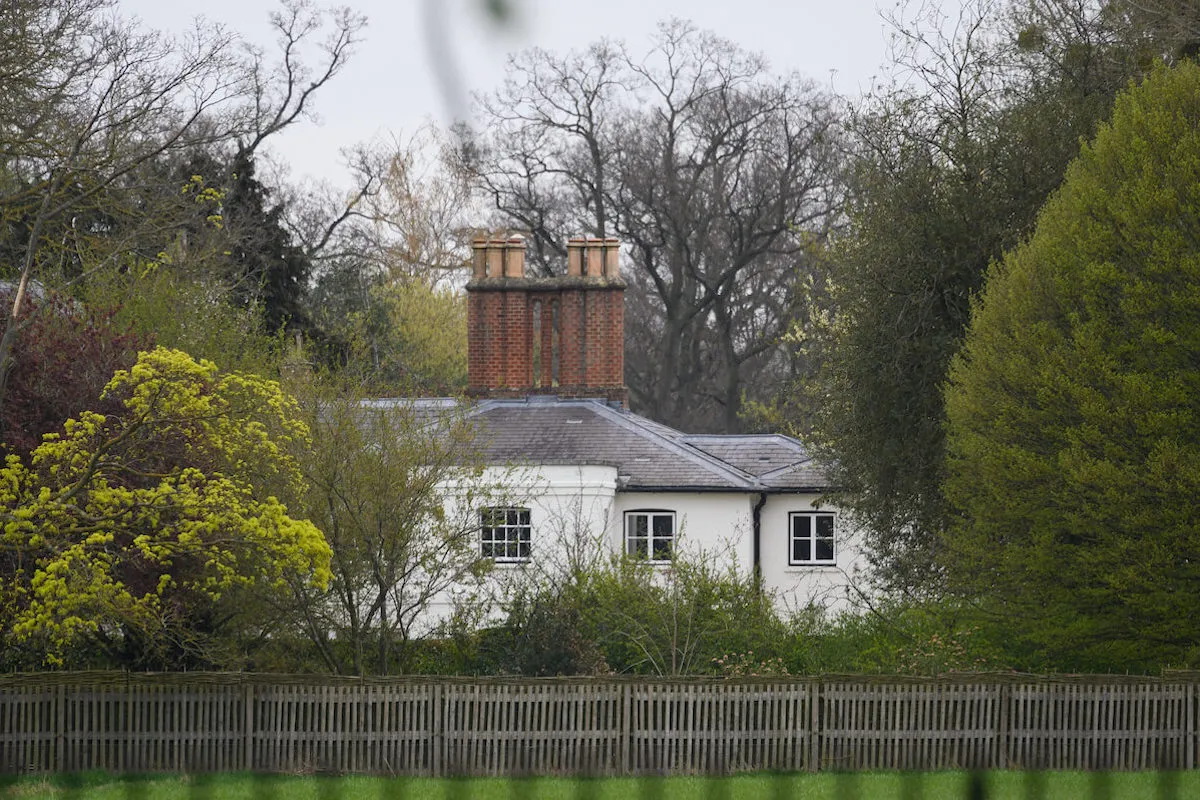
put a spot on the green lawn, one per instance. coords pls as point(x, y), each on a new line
point(848, 786)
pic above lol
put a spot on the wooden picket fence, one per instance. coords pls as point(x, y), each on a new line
point(429, 726)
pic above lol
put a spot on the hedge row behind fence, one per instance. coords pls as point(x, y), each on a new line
point(214, 722)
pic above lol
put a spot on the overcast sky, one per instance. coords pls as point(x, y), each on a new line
point(391, 85)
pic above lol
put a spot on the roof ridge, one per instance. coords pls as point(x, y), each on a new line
point(789, 467)
point(738, 436)
point(780, 438)
point(631, 421)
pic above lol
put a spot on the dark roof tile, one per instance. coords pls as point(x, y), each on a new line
point(647, 455)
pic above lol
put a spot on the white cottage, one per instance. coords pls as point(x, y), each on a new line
point(546, 377)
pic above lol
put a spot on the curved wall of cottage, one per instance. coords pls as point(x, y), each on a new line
point(569, 512)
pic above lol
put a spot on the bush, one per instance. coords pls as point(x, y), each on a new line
point(695, 616)
point(1074, 407)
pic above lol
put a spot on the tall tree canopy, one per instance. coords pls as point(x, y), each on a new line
point(951, 164)
point(92, 105)
point(386, 284)
point(259, 262)
point(124, 537)
point(718, 176)
point(1074, 406)
point(397, 489)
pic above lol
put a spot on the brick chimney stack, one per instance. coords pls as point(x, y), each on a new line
point(562, 336)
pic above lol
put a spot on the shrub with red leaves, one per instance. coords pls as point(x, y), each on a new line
point(64, 356)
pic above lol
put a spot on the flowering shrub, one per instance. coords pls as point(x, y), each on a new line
point(933, 654)
point(747, 665)
point(126, 531)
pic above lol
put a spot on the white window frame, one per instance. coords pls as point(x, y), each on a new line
point(812, 536)
point(644, 546)
point(502, 541)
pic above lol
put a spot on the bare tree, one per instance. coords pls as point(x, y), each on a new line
point(388, 279)
point(413, 224)
point(719, 177)
point(89, 100)
point(397, 490)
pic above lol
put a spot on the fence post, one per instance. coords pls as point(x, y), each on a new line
point(813, 755)
point(625, 728)
point(248, 726)
point(1003, 734)
point(60, 730)
point(437, 733)
point(125, 742)
point(1190, 737)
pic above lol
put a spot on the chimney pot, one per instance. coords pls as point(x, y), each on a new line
point(495, 258)
point(595, 257)
point(612, 257)
point(514, 257)
point(479, 257)
point(575, 254)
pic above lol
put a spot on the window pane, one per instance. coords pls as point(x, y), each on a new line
point(649, 534)
point(662, 549)
point(505, 533)
point(812, 538)
point(801, 525)
point(824, 549)
point(825, 526)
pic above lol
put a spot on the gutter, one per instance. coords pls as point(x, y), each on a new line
point(642, 488)
point(756, 524)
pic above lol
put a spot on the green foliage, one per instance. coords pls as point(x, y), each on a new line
point(902, 277)
point(266, 268)
point(629, 617)
point(396, 487)
point(904, 638)
point(100, 111)
point(951, 170)
point(187, 312)
point(411, 340)
point(697, 616)
point(1074, 408)
point(127, 532)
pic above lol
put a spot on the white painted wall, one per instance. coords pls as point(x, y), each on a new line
point(713, 522)
point(569, 509)
point(798, 586)
point(569, 512)
point(577, 515)
point(722, 523)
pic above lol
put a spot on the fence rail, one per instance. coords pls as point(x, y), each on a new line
point(214, 722)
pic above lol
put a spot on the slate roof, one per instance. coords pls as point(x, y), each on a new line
point(756, 454)
point(648, 455)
